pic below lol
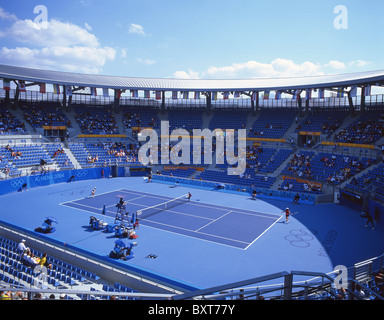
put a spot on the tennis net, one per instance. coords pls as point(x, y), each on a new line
point(150, 211)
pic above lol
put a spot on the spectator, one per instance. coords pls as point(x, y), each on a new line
point(22, 247)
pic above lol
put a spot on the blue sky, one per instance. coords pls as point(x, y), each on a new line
point(193, 38)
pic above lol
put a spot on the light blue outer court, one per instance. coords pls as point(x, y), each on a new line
point(218, 237)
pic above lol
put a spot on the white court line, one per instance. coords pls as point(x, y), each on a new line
point(63, 203)
point(84, 205)
point(193, 231)
point(130, 200)
point(180, 213)
point(197, 230)
point(263, 232)
point(194, 237)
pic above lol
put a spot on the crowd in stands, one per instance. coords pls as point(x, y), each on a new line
point(366, 130)
point(300, 186)
point(9, 123)
point(272, 123)
point(324, 121)
point(38, 115)
point(373, 180)
point(325, 168)
point(103, 154)
point(140, 118)
point(96, 120)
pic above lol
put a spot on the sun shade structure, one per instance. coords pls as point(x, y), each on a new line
point(165, 84)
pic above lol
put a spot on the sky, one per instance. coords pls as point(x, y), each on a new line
point(194, 39)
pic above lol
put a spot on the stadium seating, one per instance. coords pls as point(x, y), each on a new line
point(182, 173)
point(45, 114)
point(16, 272)
point(299, 186)
point(367, 129)
point(224, 119)
point(10, 124)
point(185, 119)
point(56, 153)
point(372, 181)
point(272, 123)
point(249, 179)
point(25, 155)
point(324, 121)
point(96, 120)
point(81, 154)
point(140, 117)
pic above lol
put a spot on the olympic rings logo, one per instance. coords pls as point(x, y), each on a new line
point(81, 173)
point(17, 183)
point(299, 238)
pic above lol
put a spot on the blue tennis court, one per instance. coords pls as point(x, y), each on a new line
point(233, 227)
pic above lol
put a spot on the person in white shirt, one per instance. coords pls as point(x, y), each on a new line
point(22, 247)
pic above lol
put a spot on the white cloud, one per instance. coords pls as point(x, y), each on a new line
point(336, 65)
point(186, 75)
point(52, 33)
point(4, 15)
point(146, 61)
point(54, 45)
point(71, 59)
point(123, 53)
point(278, 68)
point(359, 63)
point(88, 27)
point(136, 28)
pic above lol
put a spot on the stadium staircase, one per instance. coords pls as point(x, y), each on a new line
point(119, 120)
point(207, 117)
point(347, 121)
point(75, 126)
point(291, 132)
point(71, 157)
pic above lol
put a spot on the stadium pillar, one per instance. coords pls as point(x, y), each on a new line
point(163, 101)
point(16, 97)
point(209, 101)
point(116, 102)
point(362, 100)
point(306, 104)
point(69, 103)
point(299, 103)
point(65, 96)
point(7, 96)
point(350, 103)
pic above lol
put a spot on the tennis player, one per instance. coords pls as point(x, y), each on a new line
point(93, 192)
point(287, 214)
point(189, 196)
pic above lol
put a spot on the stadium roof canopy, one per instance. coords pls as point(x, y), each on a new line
point(165, 84)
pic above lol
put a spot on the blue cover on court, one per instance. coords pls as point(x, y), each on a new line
point(216, 238)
